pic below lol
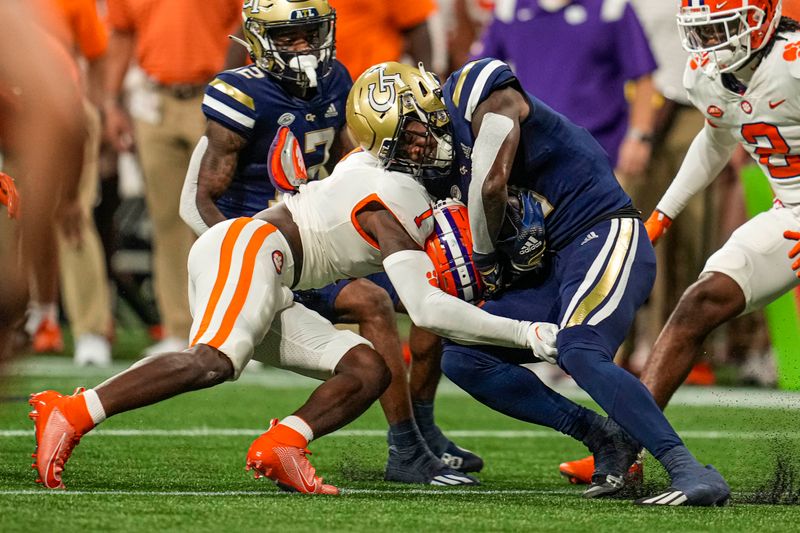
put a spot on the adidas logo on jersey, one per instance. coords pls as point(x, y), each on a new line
point(589, 237)
point(331, 112)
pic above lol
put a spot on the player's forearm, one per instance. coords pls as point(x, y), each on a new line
point(492, 157)
point(702, 164)
point(642, 110)
point(119, 55)
point(447, 316)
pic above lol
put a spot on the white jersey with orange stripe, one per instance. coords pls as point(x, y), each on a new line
point(334, 246)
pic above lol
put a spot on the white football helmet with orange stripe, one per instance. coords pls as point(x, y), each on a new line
point(450, 250)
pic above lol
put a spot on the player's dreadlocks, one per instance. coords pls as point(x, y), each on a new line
point(786, 24)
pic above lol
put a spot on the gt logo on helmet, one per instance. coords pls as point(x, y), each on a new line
point(385, 85)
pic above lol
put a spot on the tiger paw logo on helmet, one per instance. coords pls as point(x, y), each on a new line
point(791, 51)
point(450, 250)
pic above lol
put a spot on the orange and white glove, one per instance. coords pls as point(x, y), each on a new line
point(8, 195)
point(657, 225)
point(795, 251)
point(285, 164)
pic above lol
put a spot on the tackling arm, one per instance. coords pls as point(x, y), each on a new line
point(210, 173)
point(409, 269)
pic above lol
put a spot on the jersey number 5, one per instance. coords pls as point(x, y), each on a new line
point(777, 151)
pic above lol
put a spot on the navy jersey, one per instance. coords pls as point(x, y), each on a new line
point(557, 160)
point(252, 103)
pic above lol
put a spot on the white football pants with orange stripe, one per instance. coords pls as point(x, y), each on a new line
point(240, 272)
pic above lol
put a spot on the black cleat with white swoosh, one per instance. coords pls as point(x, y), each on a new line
point(424, 468)
point(704, 489)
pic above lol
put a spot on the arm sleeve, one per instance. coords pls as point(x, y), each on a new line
point(431, 308)
point(707, 156)
point(188, 204)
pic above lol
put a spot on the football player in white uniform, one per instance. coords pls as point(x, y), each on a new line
point(362, 219)
point(744, 75)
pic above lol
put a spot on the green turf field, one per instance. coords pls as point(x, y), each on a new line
point(180, 466)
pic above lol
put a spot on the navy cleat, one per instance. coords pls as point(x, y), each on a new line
point(703, 488)
point(614, 452)
point(424, 468)
point(461, 459)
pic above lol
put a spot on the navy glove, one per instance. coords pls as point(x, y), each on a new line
point(522, 237)
point(491, 273)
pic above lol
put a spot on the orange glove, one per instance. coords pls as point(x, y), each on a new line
point(657, 225)
point(795, 236)
point(8, 195)
point(286, 167)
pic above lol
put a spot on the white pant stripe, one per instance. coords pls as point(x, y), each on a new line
point(613, 302)
point(593, 272)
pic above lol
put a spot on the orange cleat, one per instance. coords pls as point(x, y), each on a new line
point(580, 472)
point(702, 374)
point(60, 421)
point(286, 465)
point(48, 337)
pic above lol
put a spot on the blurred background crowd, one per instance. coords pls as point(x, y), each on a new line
point(110, 281)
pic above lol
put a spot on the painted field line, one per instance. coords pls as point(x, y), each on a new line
point(259, 494)
point(381, 433)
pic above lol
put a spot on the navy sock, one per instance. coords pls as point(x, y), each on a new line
point(423, 414)
point(406, 436)
point(514, 391)
point(626, 400)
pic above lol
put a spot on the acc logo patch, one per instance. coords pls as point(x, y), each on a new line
point(715, 111)
point(277, 260)
point(455, 192)
point(746, 107)
point(286, 119)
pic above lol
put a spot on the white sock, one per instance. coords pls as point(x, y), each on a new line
point(49, 311)
point(94, 406)
point(300, 426)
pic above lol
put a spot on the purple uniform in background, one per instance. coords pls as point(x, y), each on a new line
point(576, 59)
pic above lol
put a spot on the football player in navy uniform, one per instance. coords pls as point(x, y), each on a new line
point(284, 117)
point(530, 177)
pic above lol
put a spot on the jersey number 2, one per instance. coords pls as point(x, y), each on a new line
point(778, 149)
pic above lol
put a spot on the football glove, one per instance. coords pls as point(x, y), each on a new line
point(793, 253)
point(8, 195)
point(542, 340)
point(522, 237)
point(491, 273)
point(657, 225)
point(285, 165)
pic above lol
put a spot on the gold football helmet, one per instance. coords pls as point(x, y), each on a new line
point(273, 27)
point(396, 113)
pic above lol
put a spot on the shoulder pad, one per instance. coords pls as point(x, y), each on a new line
point(791, 53)
point(234, 85)
point(469, 86)
point(409, 203)
point(692, 72)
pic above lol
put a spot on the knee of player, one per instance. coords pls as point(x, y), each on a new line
point(204, 365)
point(368, 369)
point(373, 304)
point(461, 364)
point(710, 300)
